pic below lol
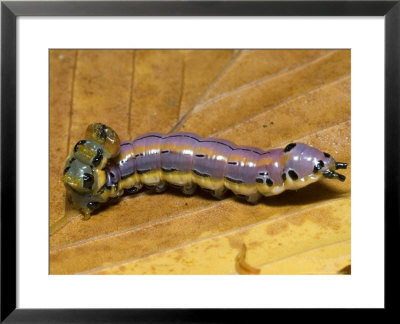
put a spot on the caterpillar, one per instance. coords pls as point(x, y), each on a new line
point(102, 168)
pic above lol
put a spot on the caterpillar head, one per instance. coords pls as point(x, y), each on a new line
point(84, 174)
point(84, 184)
point(83, 178)
point(307, 164)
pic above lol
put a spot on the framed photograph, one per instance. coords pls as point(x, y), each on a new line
point(250, 101)
point(139, 140)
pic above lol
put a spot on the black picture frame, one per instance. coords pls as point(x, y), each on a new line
point(11, 10)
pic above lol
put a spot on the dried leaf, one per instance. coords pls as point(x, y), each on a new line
point(263, 98)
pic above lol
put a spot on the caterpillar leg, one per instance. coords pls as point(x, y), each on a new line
point(133, 190)
point(189, 189)
point(219, 193)
point(161, 187)
point(254, 198)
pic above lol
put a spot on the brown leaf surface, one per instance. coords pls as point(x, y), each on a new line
point(263, 98)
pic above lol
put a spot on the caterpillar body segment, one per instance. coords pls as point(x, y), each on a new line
point(101, 167)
